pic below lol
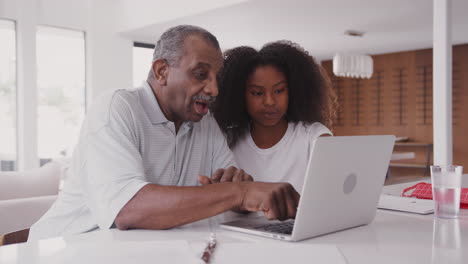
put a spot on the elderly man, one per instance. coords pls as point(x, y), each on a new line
point(142, 152)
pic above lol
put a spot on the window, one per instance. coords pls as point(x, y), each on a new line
point(61, 90)
point(7, 96)
point(142, 58)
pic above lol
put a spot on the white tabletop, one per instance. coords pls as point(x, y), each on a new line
point(393, 237)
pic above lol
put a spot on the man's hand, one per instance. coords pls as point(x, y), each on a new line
point(275, 200)
point(231, 174)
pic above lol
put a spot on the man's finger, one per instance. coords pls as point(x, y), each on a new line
point(238, 175)
point(216, 177)
point(282, 199)
point(269, 208)
point(247, 177)
point(228, 174)
point(291, 203)
point(275, 207)
point(269, 211)
point(204, 180)
point(296, 197)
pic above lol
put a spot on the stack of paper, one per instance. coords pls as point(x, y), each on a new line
point(406, 204)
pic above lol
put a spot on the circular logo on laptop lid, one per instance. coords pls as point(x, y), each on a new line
point(349, 183)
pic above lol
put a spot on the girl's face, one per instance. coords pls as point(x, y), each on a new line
point(266, 96)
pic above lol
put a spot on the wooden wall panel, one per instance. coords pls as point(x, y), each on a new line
point(398, 100)
point(460, 106)
point(423, 95)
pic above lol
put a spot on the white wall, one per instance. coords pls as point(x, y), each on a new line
point(108, 55)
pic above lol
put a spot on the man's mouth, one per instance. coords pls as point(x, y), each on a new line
point(201, 103)
point(201, 107)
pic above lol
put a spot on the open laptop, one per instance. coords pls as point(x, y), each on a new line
point(342, 186)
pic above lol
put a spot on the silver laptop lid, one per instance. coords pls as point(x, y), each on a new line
point(343, 182)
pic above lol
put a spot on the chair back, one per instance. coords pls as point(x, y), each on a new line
point(36, 182)
point(26, 195)
point(18, 214)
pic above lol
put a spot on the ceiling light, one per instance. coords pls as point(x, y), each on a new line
point(354, 33)
point(353, 65)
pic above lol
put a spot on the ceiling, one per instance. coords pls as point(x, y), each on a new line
point(318, 26)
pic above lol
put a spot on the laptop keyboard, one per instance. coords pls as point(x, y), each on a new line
point(281, 228)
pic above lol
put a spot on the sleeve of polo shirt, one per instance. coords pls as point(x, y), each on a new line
point(222, 156)
point(113, 168)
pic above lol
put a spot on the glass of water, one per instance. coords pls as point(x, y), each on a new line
point(446, 184)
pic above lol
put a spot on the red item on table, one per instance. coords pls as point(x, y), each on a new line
point(423, 190)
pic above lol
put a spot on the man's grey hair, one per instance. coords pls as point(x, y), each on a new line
point(170, 46)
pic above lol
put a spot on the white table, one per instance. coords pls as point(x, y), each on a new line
point(393, 238)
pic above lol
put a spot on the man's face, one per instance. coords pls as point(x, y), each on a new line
point(192, 85)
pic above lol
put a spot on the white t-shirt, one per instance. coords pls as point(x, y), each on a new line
point(286, 161)
point(126, 142)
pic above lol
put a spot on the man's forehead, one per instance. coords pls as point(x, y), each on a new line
point(209, 64)
point(202, 52)
point(213, 62)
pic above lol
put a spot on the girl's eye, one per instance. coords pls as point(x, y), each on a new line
point(256, 93)
point(280, 90)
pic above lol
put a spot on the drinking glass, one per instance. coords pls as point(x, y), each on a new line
point(446, 184)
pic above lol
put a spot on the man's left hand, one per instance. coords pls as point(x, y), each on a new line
point(231, 174)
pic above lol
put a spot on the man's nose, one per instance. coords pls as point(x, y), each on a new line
point(211, 87)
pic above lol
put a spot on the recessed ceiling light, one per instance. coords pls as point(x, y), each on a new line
point(354, 33)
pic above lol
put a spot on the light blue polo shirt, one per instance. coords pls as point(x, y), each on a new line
point(125, 143)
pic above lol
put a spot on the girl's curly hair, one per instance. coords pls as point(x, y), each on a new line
point(311, 97)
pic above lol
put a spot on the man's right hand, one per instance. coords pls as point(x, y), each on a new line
point(275, 200)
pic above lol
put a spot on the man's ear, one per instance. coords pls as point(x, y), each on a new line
point(160, 70)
